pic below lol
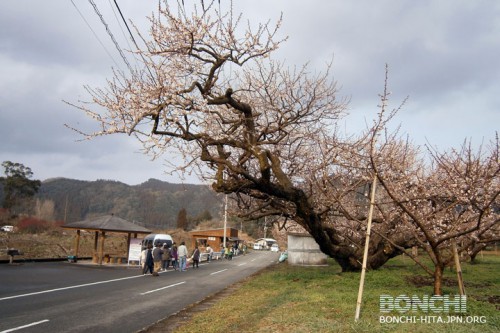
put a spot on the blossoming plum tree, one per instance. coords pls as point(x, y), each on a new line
point(453, 201)
point(265, 133)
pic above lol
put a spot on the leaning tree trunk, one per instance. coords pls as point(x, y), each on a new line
point(349, 258)
point(475, 251)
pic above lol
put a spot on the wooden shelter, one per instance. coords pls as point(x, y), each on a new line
point(101, 225)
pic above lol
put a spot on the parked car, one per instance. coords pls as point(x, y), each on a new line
point(7, 228)
point(275, 247)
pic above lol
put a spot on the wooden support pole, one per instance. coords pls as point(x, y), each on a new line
point(367, 245)
point(461, 287)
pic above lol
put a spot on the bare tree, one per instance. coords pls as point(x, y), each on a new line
point(44, 209)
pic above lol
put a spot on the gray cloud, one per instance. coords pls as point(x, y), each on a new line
point(443, 54)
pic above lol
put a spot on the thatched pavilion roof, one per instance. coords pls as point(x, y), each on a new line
point(109, 223)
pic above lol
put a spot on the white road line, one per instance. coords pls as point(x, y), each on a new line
point(169, 286)
point(218, 272)
point(25, 326)
point(70, 287)
point(242, 264)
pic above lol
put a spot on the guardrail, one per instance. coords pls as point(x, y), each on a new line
point(215, 256)
point(21, 260)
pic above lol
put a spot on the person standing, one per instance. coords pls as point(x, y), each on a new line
point(148, 263)
point(157, 252)
point(182, 252)
point(165, 257)
point(175, 256)
point(210, 251)
point(143, 258)
point(196, 257)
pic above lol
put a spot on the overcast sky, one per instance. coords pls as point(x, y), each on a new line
point(444, 55)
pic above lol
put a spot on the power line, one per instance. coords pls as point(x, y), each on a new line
point(111, 35)
point(119, 24)
point(95, 35)
point(133, 39)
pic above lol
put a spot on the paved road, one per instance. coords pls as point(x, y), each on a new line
point(65, 297)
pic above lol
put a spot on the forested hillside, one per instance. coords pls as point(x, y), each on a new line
point(154, 204)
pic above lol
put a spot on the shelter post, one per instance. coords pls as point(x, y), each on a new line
point(95, 254)
point(77, 243)
point(129, 235)
point(101, 254)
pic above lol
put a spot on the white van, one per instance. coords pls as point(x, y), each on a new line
point(154, 239)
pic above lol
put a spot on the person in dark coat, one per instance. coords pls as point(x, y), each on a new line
point(196, 257)
point(148, 265)
point(165, 257)
point(174, 256)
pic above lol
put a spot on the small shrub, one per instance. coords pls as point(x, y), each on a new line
point(32, 225)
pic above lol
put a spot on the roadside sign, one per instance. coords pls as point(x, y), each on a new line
point(134, 252)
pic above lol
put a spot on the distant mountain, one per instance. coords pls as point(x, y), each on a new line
point(153, 204)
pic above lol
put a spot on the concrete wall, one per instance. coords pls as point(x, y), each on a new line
point(304, 251)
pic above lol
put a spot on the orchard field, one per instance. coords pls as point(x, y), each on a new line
point(285, 298)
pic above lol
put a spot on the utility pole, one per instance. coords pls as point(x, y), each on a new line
point(225, 220)
point(66, 210)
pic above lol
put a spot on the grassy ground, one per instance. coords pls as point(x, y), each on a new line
point(322, 299)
